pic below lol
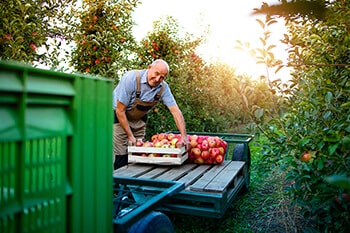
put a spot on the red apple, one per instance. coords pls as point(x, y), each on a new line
point(205, 145)
point(147, 144)
point(219, 158)
point(164, 141)
point(139, 142)
point(180, 143)
point(161, 136)
point(200, 139)
point(205, 154)
point(214, 152)
point(196, 152)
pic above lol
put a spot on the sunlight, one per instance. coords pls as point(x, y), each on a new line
point(227, 24)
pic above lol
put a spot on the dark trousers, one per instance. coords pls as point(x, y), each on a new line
point(120, 161)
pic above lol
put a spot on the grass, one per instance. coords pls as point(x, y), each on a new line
point(266, 207)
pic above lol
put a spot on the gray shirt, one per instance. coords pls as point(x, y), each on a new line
point(125, 92)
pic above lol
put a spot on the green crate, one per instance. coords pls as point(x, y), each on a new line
point(55, 151)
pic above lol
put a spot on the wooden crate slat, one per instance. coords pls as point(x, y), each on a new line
point(200, 184)
point(193, 175)
point(156, 150)
point(158, 160)
point(224, 178)
point(176, 172)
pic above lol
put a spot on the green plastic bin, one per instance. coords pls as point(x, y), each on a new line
point(55, 151)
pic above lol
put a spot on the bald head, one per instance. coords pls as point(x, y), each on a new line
point(157, 72)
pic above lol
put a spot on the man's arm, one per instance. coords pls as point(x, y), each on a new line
point(180, 123)
point(120, 111)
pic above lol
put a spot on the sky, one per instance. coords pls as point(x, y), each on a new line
point(228, 22)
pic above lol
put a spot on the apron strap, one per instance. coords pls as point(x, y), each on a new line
point(138, 83)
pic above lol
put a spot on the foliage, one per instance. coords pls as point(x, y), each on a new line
point(317, 121)
point(104, 40)
point(28, 28)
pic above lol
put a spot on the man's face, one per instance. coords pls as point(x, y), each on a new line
point(156, 74)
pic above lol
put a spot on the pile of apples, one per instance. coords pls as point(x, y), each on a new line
point(206, 149)
point(162, 140)
point(202, 150)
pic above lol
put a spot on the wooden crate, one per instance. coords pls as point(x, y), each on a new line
point(134, 155)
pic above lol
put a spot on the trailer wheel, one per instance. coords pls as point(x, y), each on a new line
point(238, 155)
point(155, 222)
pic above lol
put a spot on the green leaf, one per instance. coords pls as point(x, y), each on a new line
point(332, 148)
point(340, 181)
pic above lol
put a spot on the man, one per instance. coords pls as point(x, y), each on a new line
point(136, 94)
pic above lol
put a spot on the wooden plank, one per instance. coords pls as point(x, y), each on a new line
point(194, 175)
point(200, 184)
point(132, 170)
point(225, 177)
point(156, 171)
point(155, 150)
point(176, 172)
point(158, 160)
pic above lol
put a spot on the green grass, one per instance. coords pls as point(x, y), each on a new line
point(266, 207)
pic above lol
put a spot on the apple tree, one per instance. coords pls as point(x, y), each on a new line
point(311, 139)
point(28, 28)
point(104, 41)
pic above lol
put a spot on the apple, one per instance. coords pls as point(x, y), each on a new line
point(205, 154)
point(165, 146)
point(180, 143)
point(174, 141)
point(164, 141)
point(218, 141)
point(199, 146)
point(158, 144)
point(193, 143)
point(170, 136)
point(199, 161)
point(211, 143)
point(200, 139)
point(154, 137)
point(222, 150)
point(219, 158)
point(193, 137)
point(151, 155)
point(205, 145)
point(209, 161)
point(214, 152)
point(196, 152)
point(166, 156)
point(147, 144)
point(161, 136)
point(305, 157)
point(139, 142)
point(223, 144)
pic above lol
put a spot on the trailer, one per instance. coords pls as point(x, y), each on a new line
point(204, 190)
